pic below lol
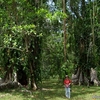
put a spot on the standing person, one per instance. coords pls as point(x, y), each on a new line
point(67, 83)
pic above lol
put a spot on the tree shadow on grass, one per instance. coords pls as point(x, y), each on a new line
point(83, 90)
point(18, 93)
point(52, 90)
point(55, 90)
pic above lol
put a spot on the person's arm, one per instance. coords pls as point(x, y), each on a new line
point(69, 82)
point(66, 85)
point(64, 82)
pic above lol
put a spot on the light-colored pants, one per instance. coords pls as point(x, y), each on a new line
point(67, 92)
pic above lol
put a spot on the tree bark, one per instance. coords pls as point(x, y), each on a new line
point(81, 77)
point(8, 75)
point(64, 29)
point(33, 83)
point(93, 75)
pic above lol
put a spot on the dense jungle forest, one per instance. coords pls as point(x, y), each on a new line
point(43, 39)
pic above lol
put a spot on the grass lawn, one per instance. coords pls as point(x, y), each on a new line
point(52, 90)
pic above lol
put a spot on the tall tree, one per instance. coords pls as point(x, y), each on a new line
point(64, 28)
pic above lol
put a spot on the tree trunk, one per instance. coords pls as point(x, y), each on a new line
point(82, 78)
point(94, 79)
point(33, 83)
point(8, 75)
point(64, 29)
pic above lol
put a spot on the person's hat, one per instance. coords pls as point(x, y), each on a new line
point(66, 75)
